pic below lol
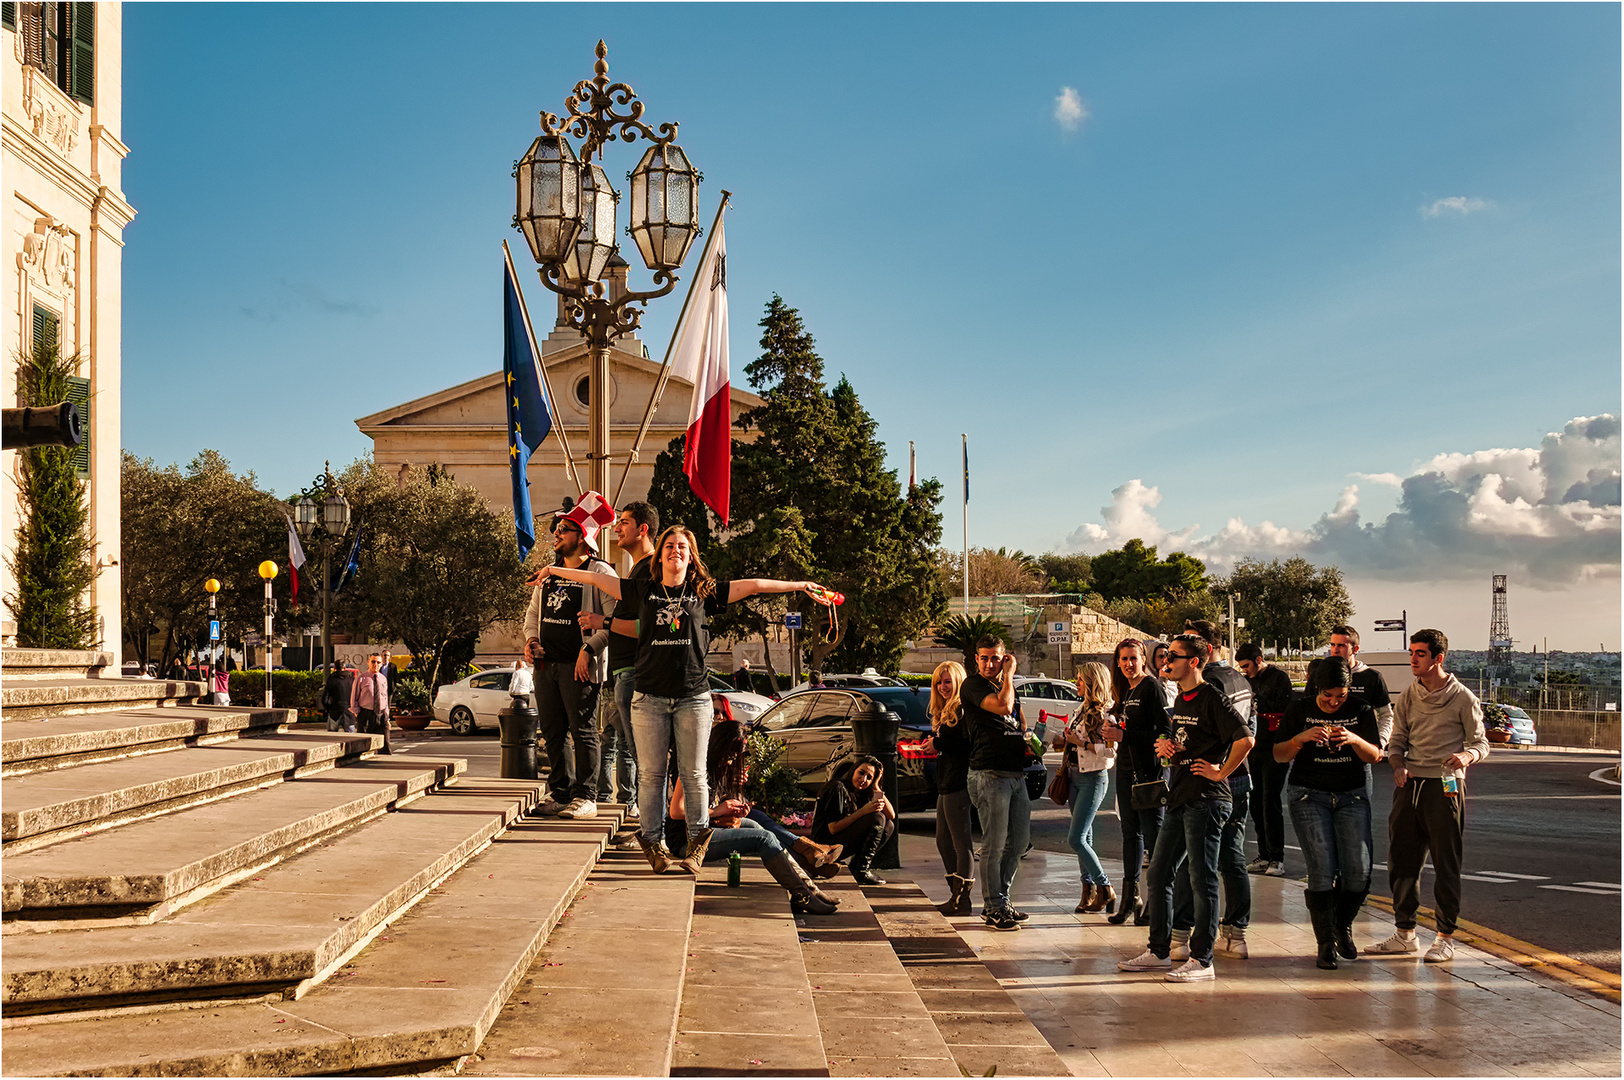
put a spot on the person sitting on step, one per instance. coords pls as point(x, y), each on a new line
point(854, 813)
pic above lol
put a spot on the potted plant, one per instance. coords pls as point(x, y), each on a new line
point(1496, 722)
point(411, 711)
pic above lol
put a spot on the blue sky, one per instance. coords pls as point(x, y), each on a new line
point(1256, 255)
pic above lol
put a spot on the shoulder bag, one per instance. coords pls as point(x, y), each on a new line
point(1150, 794)
point(1060, 786)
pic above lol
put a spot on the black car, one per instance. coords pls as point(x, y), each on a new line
point(815, 728)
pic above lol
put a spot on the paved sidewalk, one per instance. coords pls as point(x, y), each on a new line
point(1275, 1013)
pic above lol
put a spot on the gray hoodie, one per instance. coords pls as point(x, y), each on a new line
point(1429, 727)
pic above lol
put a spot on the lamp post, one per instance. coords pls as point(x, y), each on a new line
point(267, 570)
point(566, 210)
point(327, 522)
point(211, 587)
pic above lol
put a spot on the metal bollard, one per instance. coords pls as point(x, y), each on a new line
point(518, 735)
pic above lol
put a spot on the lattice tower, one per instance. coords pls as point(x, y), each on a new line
point(1499, 628)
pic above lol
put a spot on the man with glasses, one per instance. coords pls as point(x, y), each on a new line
point(1210, 740)
point(997, 779)
point(1272, 692)
point(570, 663)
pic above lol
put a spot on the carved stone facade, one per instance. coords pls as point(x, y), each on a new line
point(64, 224)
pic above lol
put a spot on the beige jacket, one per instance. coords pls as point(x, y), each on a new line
point(1429, 728)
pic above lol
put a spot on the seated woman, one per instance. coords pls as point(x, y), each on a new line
point(854, 813)
point(727, 769)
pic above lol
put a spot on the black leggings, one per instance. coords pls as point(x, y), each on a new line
point(1139, 827)
point(953, 833)
point(851, 840)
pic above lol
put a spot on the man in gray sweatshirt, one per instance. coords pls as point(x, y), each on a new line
point(1437, 733)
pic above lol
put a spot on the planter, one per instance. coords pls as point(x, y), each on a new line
point(1497, 736)
point(412, 721)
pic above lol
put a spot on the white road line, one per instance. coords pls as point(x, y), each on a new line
point(1519, 877)
point(1601, 774)
point(1600, 885)
point(1482, 877)
point(1575, 888)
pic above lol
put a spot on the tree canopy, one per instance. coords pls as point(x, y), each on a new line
point(1287, 600)
point(1133, 572)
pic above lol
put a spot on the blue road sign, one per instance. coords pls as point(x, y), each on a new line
point(792, 620)
point(214, 629)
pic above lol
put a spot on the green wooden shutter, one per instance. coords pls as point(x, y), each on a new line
point(81, 81)
point(79, 394)
point(46, 322)
point(8, 15)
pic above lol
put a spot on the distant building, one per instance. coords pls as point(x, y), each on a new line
point(66, 215)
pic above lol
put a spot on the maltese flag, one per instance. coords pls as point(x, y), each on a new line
point(700, 356)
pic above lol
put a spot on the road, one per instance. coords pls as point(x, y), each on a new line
point(1542, 842)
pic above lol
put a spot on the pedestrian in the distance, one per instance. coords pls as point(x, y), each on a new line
point(221, 683)
point(1141, 713)
point(1089, 741)
point(1330, 742)
point(1437, 733)
point(950, 740)
point(369, 701)
point(741, 678)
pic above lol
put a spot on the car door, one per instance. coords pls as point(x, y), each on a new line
point(488, 695)
point(1033, 697)
point(821, 736)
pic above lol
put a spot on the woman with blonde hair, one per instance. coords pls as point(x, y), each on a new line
point(951, 742)
point(1089, 741)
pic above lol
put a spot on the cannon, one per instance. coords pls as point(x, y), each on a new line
point(50, 425)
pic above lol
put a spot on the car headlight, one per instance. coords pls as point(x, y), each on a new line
point(745, 707)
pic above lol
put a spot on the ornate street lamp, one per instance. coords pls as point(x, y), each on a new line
point(267, 570)
point(566, 210)
point(326, 521)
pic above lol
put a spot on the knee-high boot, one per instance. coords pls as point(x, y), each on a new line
point(1322, 912)
point(1347, 909)
point(804, 896)
point(1129, 905)
point(862, 861)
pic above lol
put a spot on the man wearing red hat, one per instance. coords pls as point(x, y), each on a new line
point(571, 661)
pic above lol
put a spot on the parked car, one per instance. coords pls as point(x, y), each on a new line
point(1521, 727)
point(815, 728)
point(867, 678)
point(747, 707)
point(1039, 694)
point(473, 702)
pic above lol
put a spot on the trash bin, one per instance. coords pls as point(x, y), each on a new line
point(518, 733)
point(875, 734)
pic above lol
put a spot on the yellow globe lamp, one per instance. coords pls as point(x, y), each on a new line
point(211, 586)
point(267, 569)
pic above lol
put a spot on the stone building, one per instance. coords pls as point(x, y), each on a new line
point(66, 215)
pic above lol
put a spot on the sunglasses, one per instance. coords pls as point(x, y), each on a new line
point(1171, 656)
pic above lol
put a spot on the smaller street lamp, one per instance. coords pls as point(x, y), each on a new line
point(211, 587)
point(327, 521)
point(267, 570)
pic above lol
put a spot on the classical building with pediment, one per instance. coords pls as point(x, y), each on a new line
point(464, 429)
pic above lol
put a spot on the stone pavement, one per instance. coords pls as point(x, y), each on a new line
point(1275, 1013)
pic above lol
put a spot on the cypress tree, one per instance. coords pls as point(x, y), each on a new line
point(53, 564)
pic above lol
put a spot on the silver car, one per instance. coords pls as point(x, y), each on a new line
point(475, 702)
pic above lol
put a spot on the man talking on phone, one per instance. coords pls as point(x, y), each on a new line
point(997, 782)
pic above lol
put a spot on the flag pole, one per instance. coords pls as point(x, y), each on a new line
point(665, 367)
point(965, 443)
point(541, 370)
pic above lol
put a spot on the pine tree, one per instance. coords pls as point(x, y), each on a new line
point(54, 561)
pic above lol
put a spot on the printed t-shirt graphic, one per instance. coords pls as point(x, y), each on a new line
point(673, 635)
point(560, 631)
point(1208, 726)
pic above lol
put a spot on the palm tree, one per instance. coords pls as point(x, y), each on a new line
point(962, 632)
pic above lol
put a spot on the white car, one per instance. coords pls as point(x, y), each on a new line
point(472, 703)
point(869, 677)
point(1038, 695)
point(747, 708)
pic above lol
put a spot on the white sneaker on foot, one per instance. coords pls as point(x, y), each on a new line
point(580, 810)
point(1395, 945)
point(1275, 869)
point(1234, 944)
point(1257, 866)
point(1145, 961)
point(1442, 951)
point(1192, 971)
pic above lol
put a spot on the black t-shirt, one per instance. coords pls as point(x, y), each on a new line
point(623, 647)
point(673, 635)
point(1327, 768)
point(996, 742)
point(1366, 685)
point(1272, 692)
point(1237, 690)
point(952, 757)
point(836, 802)
point(1207, 725)
point(1143, 714)
point(560, 631)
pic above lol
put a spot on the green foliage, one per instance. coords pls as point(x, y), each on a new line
point(181, 528)
point(1287, 600)
point(773, 786)
point(411, 695)
point(812, 499)
point(961, 632)
point(1165, 616)
point(1133, 573)
point(437, 568)
point(289, 689)
point(53, 565)
point(913, 678)
point(1066, 573)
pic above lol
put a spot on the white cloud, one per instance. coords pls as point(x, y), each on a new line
point(1455, 204)
point(1549, 515)
point(1069, 110)
point(1386, 479)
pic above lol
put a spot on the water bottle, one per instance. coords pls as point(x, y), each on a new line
point(1450, 786)
point(734, 869)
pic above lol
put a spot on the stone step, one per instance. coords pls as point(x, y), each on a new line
point(54, 663)
point(45, 807)
point(42, 698)
point(421, 995)
point(149, 869)
point(66, 741)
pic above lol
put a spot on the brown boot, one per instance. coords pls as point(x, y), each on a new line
point(1105, 899)
point(1086, 904)
point(812, 855)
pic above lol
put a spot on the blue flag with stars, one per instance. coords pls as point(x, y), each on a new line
point(529, 420)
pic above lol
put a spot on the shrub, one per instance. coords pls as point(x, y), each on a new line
point(411, 695)
point(773, 786)
point(289, 689)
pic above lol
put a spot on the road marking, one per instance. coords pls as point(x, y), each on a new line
point(1519, 877)
point(1484, 877)
point(1574, 888)
point(1600, 885)
point(1601, 774)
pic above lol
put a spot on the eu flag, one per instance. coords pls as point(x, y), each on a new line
point(529, 420)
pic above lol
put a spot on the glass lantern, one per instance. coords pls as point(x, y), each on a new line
point(596, 240)
point(665, 209)
point(549, 192)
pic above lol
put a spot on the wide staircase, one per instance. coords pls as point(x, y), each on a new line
point(198, 890)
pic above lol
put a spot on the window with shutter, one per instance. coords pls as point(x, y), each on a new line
point(81, 53)
point(52, 42)
point(46, 323)
point(79, 394)
point(8, 15)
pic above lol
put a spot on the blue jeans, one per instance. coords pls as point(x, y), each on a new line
point(760, 819)
point(1194, 829)
point(1334, 827)
point(750, 838)
point(619, 762)
point(1006, 829)
point(658, 724)
point(1231, 868)
point(1087, 793)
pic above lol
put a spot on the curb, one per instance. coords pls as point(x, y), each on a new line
point(1575, 973)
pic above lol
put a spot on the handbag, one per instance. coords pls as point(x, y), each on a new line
point(1150, 794)
point(1060, 786)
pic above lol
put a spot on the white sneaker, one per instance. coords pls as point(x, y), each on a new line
point(1234, 944)
point(1257, 866)
point(1442, 951)
point(1275, 869)
point(1145, 961)
point(1192, 971)
point(580, 810)
point(1179, 950)
point(1395, 945)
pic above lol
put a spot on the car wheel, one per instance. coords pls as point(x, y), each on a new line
point(462, 721)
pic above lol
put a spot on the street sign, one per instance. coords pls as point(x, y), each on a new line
point(214, 629)
point(792, 620)
point(1059, 633)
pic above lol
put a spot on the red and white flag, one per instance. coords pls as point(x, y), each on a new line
point(296, 555)
point(592, 514)
point(700, 356)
